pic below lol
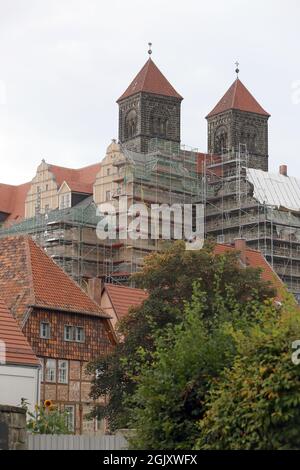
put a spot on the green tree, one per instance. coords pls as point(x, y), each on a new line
point(255, 404)
point(172, 387)
point(168, 278)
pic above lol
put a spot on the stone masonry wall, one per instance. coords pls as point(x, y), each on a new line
point(13, 435)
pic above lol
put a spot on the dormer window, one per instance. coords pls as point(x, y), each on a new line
point(65, 201)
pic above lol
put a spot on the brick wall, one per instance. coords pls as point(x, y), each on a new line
point(239, 125)
point(77, 389)
point(147, 106)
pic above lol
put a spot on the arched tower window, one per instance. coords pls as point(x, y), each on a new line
point(159, 123)
point(249, 137)
point(131, 124)
point(221, 140)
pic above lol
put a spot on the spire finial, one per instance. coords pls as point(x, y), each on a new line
point(237, 70)
point(150, 48)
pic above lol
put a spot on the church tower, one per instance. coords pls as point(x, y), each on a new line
point(239, 119)
point(149, 109)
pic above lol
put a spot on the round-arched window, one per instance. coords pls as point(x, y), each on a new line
point(131, 124)
point(221, 140)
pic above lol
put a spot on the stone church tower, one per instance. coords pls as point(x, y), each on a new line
point(149, 108)
point(239, 119)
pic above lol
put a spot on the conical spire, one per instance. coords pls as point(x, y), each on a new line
point(150, 80)
point(238, 97)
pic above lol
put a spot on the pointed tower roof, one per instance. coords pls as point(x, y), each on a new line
point(238, 97)
point(150, 80)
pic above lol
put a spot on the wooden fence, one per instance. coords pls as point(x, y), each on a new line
point(69, 442)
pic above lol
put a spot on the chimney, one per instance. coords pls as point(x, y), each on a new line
point(283, 170)
point(241, 246)
point(94, 289)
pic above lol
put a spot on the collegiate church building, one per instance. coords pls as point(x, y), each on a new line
point(149, 164)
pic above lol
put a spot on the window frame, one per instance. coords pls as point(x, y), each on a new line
point(72, 414)
point(71, 339)
point(65, 370)
point(47, 369)
point(47, 324)
point(81, 329)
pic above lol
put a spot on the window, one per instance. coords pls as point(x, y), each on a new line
point(50, 370)
point(70, 409)
point(74, 333)
point(131, 124)
point(79, 334)
point(108, 171)
point(45, 330)
point(107, 196)
point(65, 201)
point(69, 334)
point(42, 369)
point(63, 370)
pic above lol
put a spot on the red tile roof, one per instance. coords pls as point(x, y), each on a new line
point(12, 200)
point(255, 259)
point(238, 97)
point(122, 298)
point(17, 348)
point(80, 180)
point(150, 80)
point(28, 277)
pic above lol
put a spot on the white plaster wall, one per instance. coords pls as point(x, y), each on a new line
point(17, 382)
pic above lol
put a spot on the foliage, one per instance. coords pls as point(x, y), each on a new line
point(168, 277)
point(172, 388)
point(47, 419)
point(255, 404)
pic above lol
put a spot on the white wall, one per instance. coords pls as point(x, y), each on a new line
point(17, 382)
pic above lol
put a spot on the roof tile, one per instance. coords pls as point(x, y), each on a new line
point(29, 277)
point(150, 80)
point(123, 298)
point(17, 348)
point(238, 97)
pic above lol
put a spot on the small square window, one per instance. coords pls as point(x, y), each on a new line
point(45, 330)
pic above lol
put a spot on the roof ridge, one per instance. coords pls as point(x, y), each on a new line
point(29, 267)
point(234, 93)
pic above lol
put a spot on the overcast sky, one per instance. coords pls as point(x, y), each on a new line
point(63, 64)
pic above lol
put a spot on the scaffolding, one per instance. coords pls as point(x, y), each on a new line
point(232, 211)
point(166, 175)
point(69, 237)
